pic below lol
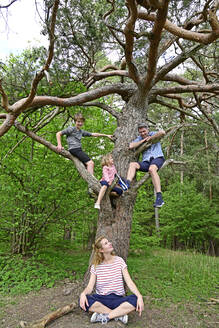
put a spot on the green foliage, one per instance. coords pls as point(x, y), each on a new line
point(187, 215)
point(174, 276)
point(56, 262)
point(160, 274)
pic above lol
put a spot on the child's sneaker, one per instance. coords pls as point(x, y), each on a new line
point(96, 205)
point(123, 318)
point(124, 184)
point(159, 202)
point(99, 317)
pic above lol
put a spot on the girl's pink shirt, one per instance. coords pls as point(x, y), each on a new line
point(109, 173)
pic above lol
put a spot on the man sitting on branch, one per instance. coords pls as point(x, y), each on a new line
point(152, 159)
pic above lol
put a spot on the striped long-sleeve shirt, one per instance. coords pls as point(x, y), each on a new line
point(109, 278)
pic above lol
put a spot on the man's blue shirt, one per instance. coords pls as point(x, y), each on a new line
point(154, 150)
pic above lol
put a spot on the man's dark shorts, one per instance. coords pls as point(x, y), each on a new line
point(144, 166)
point(118, 190)
point(78, 152)
point(112, 301)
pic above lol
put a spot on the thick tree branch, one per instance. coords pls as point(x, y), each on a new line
point(90, 95)
point(178, 79)
point(129, 36)
point(124, 90)
point(214, 88)
point(91, 180)
point(154, 44)
point(7, 124)
point(102, 75)
point(43, 122)
point(147, 176)
point(104, 107)
point(176, 62)
point(186, 34)
point(40, 75)
point(4, 101)
point(147, 144)
point(51, 316)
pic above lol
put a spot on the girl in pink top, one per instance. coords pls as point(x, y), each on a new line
point(108, 175)
point(107, 273)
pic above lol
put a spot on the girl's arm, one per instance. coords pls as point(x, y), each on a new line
point(131, 285)
point(106, 176)
point(87, 290)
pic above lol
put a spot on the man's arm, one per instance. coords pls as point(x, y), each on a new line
point(158, 134)
point(136, 144)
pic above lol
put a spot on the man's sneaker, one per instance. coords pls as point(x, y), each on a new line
point(123, 318)
point(99, 317)
point(159, 202)
point(97, 206)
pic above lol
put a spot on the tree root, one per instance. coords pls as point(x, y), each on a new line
point(50, 317)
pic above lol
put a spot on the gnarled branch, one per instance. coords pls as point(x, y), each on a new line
point(186, 34)
point(91, 180)
point(129, 36)
point(154, 44)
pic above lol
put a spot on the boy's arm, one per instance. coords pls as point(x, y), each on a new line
point(101, 135)
point(59, 142)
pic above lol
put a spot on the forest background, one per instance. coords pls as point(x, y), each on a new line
point(45, 207)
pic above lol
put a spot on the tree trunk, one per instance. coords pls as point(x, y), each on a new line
point(115, 223)
point(209, 167)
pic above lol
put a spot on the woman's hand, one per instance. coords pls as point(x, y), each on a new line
point(140, 304)
point(83, 301)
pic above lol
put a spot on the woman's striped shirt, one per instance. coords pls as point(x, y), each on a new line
point(109, 278)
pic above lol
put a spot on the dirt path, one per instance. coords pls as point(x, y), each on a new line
point(35, 305)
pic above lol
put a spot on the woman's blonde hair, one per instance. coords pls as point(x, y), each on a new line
point(105, 159)
point(97, 255)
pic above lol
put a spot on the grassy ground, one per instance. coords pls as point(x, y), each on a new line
point(177, 287)
point(159, 273)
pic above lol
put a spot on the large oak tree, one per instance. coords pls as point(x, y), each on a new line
point(153, 40)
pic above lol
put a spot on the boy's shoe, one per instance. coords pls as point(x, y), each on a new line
point(99, 317)
point(159, 202)
point(98, 207)
point(123, 318)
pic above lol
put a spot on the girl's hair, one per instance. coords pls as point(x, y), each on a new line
point(97, 255)
point(105, 159)
point(79, 116)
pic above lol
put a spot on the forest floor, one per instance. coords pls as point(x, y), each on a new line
point(157, 313)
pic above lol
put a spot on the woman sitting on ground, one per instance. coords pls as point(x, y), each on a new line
point(108, 271)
